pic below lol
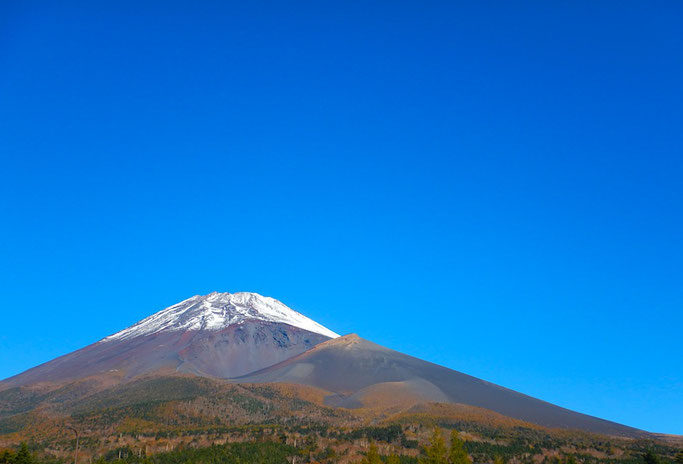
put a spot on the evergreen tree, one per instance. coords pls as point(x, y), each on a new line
point(457, 453)
point(23, 455)
point(7, 457)
point(435, 453)
point(373, 456)
point(393, 459)
point(650, 457)
point(679, 457)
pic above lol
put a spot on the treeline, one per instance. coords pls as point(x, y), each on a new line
point(307, 445)
point(231, 453)
point(389, 434)
point(435, 453)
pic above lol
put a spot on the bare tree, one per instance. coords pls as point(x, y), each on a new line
point(78, 436)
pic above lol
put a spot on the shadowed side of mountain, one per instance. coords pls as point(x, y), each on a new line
point(354, 369)
point(235, 350)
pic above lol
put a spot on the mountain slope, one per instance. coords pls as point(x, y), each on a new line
point(215, 335)
point(249, 338)
point(359, 372)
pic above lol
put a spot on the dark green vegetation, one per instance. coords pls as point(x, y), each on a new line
point(308, 450)
point(263, 453)
point(23, 455)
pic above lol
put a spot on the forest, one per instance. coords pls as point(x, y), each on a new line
point(391, 444)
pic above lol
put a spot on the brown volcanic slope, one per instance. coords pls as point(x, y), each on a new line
point(357, 371)
point(233, 351)
point(216, 335)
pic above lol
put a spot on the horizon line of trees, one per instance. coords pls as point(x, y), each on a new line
point(435, 452)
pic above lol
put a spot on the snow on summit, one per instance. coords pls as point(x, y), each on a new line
point(217, 311)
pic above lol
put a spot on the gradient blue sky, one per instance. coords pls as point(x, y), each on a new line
point(495, 187)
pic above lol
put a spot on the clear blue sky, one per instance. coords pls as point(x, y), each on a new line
point(496, 187)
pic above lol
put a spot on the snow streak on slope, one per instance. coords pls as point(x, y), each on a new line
point(217, 311)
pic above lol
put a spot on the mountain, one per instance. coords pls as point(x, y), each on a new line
point(246, 338)
point(216, 335)
point(362, 374)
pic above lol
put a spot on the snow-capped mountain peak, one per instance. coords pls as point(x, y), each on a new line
point(217, 311)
